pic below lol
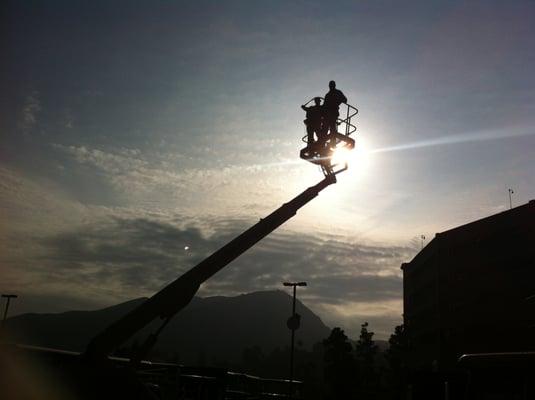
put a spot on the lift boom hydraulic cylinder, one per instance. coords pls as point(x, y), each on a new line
point(175, 296)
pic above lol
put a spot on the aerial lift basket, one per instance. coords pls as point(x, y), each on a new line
point(321, 151)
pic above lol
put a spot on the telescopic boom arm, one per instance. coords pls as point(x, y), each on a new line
point(175, 296)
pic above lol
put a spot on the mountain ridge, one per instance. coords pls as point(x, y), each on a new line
point(216, 327)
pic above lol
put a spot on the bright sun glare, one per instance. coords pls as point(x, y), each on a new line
point(357, 159)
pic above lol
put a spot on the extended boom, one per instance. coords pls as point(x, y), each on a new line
point(175, 296)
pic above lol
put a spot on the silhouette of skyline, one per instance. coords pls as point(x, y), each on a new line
point(242, 321)
point(129, 133)
point(468, 291)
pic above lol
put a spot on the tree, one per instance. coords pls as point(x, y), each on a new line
point(253, 359)
point(340, 369)
point(398, 348)
point(366, 351)
point(396, 355)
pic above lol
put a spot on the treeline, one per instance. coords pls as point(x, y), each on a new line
point(336, 368)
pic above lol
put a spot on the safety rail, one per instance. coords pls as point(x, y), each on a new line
point(348, 127)
point(320, 152)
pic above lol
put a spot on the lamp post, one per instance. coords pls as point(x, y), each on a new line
point(293, 324)
point(511, 192)
point(8, 297)
point(422, 237)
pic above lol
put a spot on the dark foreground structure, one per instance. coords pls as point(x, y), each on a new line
point(30, 372)
point(471, 290)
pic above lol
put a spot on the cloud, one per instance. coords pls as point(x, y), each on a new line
point(132, 253)
point(68, 118)
point(138, 256)
point(30, 111)
point(490, 134)
point(103, 255)
point(36, 205)
point(183, 183)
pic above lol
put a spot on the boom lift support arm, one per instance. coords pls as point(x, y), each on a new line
point(175, 296)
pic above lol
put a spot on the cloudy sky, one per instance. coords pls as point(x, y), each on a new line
point(139, 136)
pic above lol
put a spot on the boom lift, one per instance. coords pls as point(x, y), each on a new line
point(177, 295)
point(96, 376)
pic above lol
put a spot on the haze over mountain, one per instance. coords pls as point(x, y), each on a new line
point(211, 328)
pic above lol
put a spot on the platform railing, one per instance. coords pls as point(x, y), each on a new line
point(345, 127)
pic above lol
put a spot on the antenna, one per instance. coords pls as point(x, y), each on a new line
point(511, 192)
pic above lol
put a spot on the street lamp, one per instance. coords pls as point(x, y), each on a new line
point(511, 192)
point(8, 297)
point(293, 324)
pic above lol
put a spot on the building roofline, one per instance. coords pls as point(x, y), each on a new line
point(440, 236)
point(484, 220)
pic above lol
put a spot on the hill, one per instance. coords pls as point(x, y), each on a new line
point(210, 329)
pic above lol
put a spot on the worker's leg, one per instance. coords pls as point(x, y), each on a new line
point(332, 129)
point(320, 133)
point(310, 135)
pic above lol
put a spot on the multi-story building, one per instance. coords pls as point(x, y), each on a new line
point(472, 290)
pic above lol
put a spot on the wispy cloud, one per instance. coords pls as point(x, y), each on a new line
point(30, 111)
point(491, 134)
point(140, 255)
point(177, 182)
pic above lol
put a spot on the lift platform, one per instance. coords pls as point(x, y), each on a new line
point(321, 151)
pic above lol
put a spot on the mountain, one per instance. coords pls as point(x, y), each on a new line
point(212, 328)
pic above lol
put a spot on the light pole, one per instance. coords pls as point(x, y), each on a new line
point(422, 237)
point(293, 324)
point(511, 192)
point(8, 297)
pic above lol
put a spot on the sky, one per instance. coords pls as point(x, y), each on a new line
point(137, 137)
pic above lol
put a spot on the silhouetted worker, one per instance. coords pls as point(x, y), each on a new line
point(333, 99)
point(314, 120)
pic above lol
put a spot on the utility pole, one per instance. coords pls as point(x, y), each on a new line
point(8, 297)
point(293, 324)
point(511, 192)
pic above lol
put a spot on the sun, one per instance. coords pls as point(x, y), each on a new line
point(341, 156)
point(356, 159)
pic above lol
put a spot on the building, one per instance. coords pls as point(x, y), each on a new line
point(472, 290)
